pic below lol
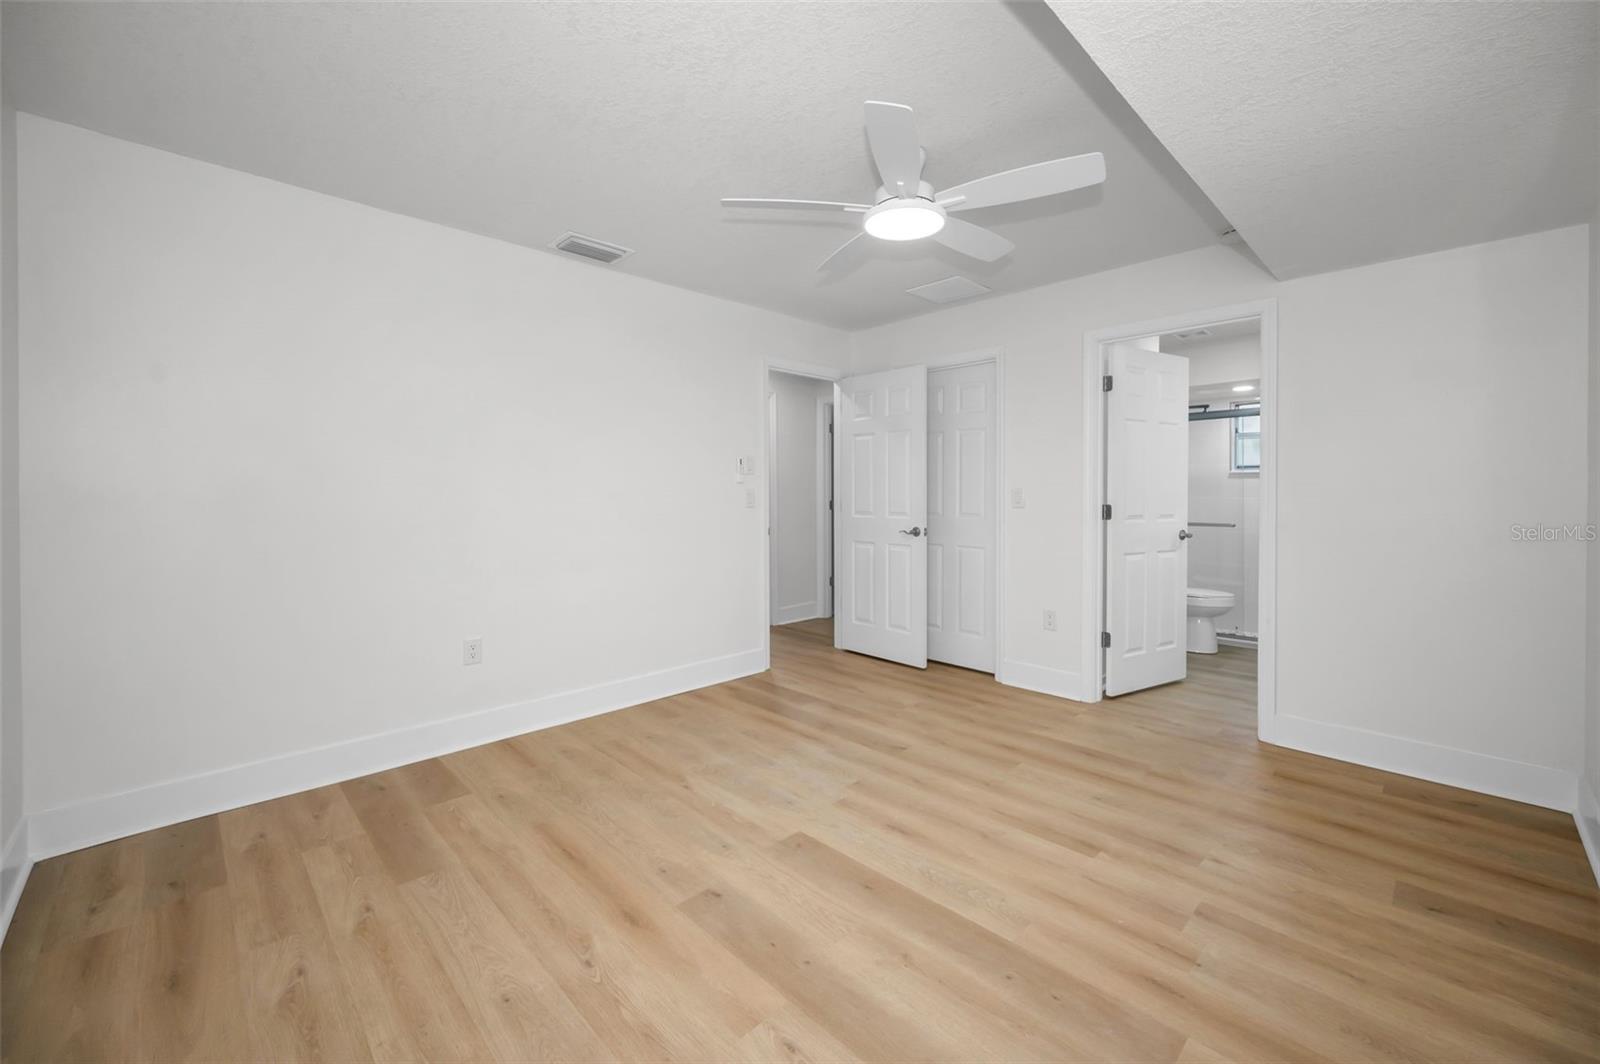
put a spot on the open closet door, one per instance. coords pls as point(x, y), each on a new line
point(881, 515)
point(1147, 487)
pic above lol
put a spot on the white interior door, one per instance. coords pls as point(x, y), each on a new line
point(881, 514)
point(961, 515)
point(1147, 487)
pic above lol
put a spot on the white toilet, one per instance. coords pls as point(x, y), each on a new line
point(1204, 606)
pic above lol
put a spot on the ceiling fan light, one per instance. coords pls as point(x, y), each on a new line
point(904, 220)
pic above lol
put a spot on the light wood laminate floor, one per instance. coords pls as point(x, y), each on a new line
point(839, 859)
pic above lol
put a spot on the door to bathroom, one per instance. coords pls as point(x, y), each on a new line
point(1147, 494)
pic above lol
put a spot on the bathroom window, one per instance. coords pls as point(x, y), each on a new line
point(1245, 456)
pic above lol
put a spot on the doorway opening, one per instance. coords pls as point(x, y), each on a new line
point(799, 497)
point(1180, 472)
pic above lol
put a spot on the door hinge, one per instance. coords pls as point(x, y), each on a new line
point(1105, 512)
point(1105, 640)
point(1105, 383)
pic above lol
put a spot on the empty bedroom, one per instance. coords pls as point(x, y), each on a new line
point(745, 531)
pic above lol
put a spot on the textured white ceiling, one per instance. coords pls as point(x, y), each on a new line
point(1337, 134)
point(628, 121)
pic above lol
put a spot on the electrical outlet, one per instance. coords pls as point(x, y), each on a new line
point(750, 498)
point(1049, 620)
point(472, 652)
point(1016, 499)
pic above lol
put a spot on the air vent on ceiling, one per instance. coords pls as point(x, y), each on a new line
point(1192, 334)
point(949, 290)
point(590, 248)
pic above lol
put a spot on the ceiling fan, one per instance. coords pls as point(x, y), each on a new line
point(907, 208)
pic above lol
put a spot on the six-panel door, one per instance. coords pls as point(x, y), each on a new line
point(881, 514)
point(962, 496)
point(1147, 485)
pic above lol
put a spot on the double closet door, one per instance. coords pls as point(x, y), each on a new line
point(916, 521)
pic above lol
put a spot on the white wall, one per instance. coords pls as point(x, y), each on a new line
point(1590, 799)
point(1589, 796)
point(1383, 578)
point(282, 453)
point(795, 514)
point(12, 846)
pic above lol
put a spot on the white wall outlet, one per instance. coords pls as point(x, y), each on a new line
point(472, 652)
point(750, 498)
point(1049, 620)
point(1016, 499)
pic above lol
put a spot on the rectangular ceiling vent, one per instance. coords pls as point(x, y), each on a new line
point(949, 290)
point(590, 248)
point(1192, 334)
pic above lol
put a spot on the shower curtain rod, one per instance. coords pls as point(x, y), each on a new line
point(1217, 415)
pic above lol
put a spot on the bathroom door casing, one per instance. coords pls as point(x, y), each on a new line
point(1147, 488)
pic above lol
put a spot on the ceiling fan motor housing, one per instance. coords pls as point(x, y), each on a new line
point(923, 191)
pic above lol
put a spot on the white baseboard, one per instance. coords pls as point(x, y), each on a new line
point(67, 828)
point(15, 864)
point(800, 611)
point(1042, 678)
point(1588, 818)
point(1519, 781)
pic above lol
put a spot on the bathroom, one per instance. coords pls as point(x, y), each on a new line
point(1224, 483)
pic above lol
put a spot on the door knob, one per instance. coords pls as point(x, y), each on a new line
point(912, 531)
point(1183, 534)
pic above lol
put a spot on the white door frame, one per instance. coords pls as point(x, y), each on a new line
point(1094, 492)
point(825, 442)
point(771, 465)
point(815, 371)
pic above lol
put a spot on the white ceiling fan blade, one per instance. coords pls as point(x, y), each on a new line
point(1027, 182)
point(973, 240)
point(799, 204)
point(892, 135)
point(845, 252)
